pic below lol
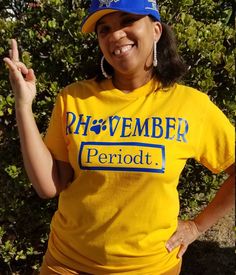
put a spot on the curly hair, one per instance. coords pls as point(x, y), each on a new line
point(170, 68)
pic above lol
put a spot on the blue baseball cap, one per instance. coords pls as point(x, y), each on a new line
point(99, 8)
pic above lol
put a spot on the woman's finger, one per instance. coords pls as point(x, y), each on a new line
point(14, 57)
point(19, 66)
point(182, 250)
point(15, 74)
point(185, 234)
point(10, 64)
point(30, 76)
point(175, 241)
point(10, 54)
point(15, 52)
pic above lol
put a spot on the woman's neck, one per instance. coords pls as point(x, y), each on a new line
point(128, 83)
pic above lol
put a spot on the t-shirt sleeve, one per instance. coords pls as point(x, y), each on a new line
point(55, 138)
point(216, 146)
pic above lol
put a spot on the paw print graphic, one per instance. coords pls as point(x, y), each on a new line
point(98, 126)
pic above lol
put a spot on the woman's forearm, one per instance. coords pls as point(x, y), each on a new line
point(222, 203)
point(47, 175)
point(188, 231)
point(39, 163)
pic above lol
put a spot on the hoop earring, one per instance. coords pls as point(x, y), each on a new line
point(103, 70)
point(155, 54)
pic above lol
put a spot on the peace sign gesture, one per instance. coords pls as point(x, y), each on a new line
point(22, 79)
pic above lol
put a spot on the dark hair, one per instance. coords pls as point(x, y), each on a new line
point(170, 68)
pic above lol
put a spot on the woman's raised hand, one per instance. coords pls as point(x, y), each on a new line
point(22, 79)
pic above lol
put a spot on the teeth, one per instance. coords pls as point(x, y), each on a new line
point(123, 49)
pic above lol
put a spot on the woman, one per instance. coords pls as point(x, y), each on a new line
point(115, 148)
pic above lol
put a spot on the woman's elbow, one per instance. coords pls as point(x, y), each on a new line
point(46, 193)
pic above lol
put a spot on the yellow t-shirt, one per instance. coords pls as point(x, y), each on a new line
point(127, 152)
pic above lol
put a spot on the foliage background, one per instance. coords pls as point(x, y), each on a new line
point(48, 32)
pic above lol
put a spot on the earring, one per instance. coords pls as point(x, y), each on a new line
point(155, 54)
point(103, 70)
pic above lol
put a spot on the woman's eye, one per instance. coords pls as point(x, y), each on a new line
point(129, 20)
point(104, 29)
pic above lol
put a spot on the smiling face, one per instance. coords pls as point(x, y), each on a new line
point(126, 40)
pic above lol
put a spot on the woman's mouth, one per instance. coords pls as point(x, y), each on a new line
point(123, 50)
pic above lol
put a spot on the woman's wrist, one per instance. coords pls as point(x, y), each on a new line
point(198, 226)
point(22, 108)
point(193, 228)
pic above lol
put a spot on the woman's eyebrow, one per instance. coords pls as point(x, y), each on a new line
point(100, 22)
point(123, 14)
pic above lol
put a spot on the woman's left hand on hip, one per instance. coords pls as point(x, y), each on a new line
point(186, 233)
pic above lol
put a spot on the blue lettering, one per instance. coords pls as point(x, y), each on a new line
point(170, 124)
point(113, 129)
point(72, 118)
point(157, 126)
point(102, 158)
point(147, 159)
point(138, 130)
point(126, 124)
point(91, 153)
point(182, 130)
point(119, 156)
point(113, 156)
point(170, 128)
point(138, 159)
point(127, 159)
point(85, 123)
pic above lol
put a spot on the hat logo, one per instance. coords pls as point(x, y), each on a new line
point(154, 5)
point(106, 3)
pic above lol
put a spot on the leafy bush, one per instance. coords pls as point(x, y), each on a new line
point(50, 41)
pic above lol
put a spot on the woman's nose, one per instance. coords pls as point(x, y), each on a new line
point(117, 35)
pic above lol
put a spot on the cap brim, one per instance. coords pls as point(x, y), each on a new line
point(90, 21)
